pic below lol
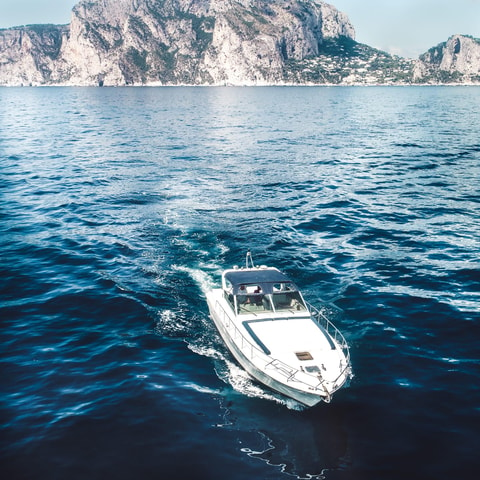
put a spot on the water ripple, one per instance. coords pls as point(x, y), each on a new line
point(120, 208)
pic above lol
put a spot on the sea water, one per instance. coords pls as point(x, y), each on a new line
point(121, 206)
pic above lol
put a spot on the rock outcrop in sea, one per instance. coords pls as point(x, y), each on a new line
point(214, 42)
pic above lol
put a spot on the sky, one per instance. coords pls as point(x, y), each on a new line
point(402, 27)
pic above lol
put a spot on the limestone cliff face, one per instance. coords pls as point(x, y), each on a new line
point(29, 55)
point(456, 60)
point(118, 42)
point(217, 42)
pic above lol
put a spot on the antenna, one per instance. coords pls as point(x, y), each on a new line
point(249, 259)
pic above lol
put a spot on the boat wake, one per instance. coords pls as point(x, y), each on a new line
point(237, 378)
point(199, 276)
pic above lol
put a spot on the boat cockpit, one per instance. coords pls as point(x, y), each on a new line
point(261, 290)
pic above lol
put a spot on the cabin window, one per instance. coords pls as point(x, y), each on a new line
point(252, 299)
point(229, 298)
point(288, 300)
point(283, 287)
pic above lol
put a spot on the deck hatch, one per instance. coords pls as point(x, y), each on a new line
point(304, 356)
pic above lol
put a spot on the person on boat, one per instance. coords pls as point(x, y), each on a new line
point(256, 298)
point(242, 297)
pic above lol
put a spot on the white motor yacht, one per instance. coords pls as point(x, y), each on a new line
point(278, 338)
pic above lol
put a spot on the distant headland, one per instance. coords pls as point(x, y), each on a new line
point(218, 42)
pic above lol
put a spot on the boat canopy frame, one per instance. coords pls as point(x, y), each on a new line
point(270, 280)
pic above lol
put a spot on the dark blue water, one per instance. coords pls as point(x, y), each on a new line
point(120, 207)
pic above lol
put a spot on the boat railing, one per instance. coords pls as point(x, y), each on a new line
point(249, 349)
point(252, 351)
point(322, 320)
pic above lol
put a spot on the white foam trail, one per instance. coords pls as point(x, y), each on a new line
point(200, 277)
point(241, 382)
point(200, 388)
point(169, 322)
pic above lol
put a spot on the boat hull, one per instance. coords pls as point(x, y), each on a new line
point(305, 398)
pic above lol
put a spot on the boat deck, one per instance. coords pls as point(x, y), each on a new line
point(286, 338)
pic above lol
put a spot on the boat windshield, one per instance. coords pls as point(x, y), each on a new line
point(264, 289)
point(288, 301)
point(252, 298)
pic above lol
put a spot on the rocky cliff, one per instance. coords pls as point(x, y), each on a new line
point(28, 55)
point(456, 60)
point(210, 42)
point(117, 42)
